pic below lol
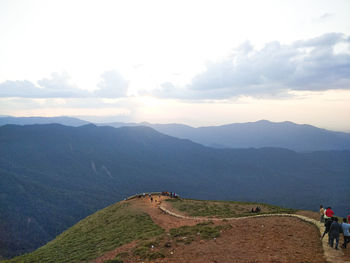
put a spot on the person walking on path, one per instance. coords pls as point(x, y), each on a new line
point(327, 225)
point(329, 212)
point(334, 233)
point(346, 233)
point(321, 214)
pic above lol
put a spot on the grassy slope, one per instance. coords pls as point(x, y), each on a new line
point(188, 234)
point(105, 230)
point(121, 223)
point(222, 209)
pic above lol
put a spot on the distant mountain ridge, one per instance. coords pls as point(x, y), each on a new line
point(297, 137)
point(68, 121)
point(259, 134)
point(52, 176)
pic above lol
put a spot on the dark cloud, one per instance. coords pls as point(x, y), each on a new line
point(113, 85)
point(272, 71)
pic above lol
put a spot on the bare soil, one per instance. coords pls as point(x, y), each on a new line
point(165, 221)
point(259, 239)
point(271, 239)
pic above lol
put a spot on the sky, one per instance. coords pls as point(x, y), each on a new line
point(194, 62)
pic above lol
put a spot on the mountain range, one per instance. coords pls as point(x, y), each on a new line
point(289, 135)
point(68, 121)
point(53, 175)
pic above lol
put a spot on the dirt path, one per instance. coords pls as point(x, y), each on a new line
point(247, 241)
point(331, 255)
point(160, 217)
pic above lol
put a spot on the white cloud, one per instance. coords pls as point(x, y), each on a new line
point(59, 86)
point(19, 88)
point(113, 85)
point(326, 16)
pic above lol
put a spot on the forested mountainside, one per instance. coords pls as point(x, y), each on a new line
point(53, 175)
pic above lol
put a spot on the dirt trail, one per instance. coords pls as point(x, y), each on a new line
point(161, 218)
point(331, 255)
point(258, 245)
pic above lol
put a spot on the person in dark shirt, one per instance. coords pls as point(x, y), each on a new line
point(346, 233)
point(334, 233)
point(327, 225)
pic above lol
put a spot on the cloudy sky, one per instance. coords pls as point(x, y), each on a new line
point(193, 62)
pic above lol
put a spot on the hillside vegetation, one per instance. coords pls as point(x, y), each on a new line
point(223, 209)
point(111, 227)
point(128, 232)
point(52, 176)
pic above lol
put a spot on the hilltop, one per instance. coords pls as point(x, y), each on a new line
point(52, 176)
point(138, 230)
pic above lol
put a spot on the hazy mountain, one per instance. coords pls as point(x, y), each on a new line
point(51, 176)
point(68, 121)
point(303, 138)
point(297, 137)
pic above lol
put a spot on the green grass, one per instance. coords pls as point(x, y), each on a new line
point(223, 209)
point(144, 250)
point(120, 224)
point(205, 230)
point(103, 231)
point(154, 248)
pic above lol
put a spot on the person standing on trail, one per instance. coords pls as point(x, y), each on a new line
point(346, 233)
point(327, 225)
point(334, 233)
point(329, 212)
point(321, 214)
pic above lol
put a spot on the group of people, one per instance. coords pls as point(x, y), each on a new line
point(171, 194)
point(256, 210)
point(334, 228)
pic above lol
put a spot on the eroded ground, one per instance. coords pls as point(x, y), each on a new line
point(259, 239)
